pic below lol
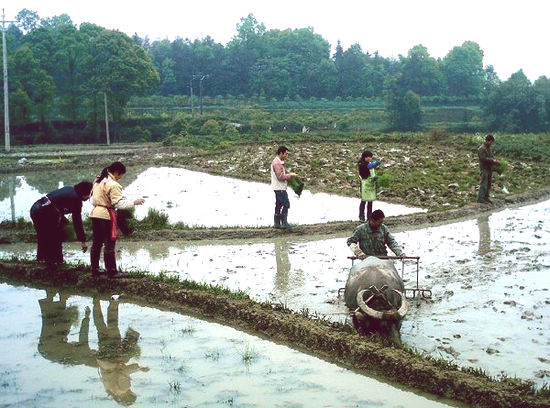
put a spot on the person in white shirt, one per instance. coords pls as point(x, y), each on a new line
point(279, 179)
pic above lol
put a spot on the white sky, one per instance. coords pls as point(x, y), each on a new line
point(513, 34)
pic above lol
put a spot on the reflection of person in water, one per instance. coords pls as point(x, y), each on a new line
point(115, 352)
point(484, 235)
point(283, 264)
point(57, 320)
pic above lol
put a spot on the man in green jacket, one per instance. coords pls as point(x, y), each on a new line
point(372, 237)
point(486, 161)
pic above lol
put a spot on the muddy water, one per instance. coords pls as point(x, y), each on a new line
point(194, 198)
point(65, 350)
point(489, 278)
point(490, 301)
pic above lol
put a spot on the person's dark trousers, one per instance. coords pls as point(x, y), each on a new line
point(47, 224)
point(362, 210)
point(102, 237)
point(484, 186)
point(282, 204)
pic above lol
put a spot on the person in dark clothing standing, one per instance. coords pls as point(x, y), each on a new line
point(486, 161)
point(47, 216)
point(366, 168)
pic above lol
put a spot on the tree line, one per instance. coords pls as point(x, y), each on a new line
point(60, 72)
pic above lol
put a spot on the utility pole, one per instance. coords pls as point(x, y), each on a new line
point(6, 97)
point(191, 93)
point(106, 119)
point(200, 89)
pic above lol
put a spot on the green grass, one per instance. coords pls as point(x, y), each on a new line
point(192, 285)
point(248, 354)
point(20, 224)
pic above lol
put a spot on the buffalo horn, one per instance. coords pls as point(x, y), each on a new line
point(404, 305)
point(369, 311)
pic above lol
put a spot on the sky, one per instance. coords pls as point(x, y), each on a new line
point(513, 34)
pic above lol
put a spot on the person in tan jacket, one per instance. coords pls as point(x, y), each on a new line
point(106, 198)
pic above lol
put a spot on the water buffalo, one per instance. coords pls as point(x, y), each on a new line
point(378, 282)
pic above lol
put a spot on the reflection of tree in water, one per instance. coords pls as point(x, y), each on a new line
point(8, 184)
point(484, 235)
point(113, 354)
point(47, 181)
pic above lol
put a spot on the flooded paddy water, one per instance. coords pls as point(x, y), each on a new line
point(194, 198)
point(490, 306)
point(77, 351)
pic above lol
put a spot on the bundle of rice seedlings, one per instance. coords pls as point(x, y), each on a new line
point(297, 185)
point(500, 167)
point(125, 220)
point(384, 180)
point(67, 233)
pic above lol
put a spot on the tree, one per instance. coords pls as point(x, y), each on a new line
point(350, 67)
point(27, 20)
point(302, 52)
point(243, 51)
point(32, 83)
point(120, 68)
point(404, 111)
point(374, 73)
point(420, 73)
point(271, 77)
point(463, 70)
point(542, 90)
point(514, 107)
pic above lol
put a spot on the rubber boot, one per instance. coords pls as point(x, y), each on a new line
point(284, 223)
point(277, 221)
point(110, 262)
point(95, 254)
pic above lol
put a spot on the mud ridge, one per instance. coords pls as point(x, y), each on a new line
point(332, 342)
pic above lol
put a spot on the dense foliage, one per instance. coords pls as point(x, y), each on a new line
point(61, 75)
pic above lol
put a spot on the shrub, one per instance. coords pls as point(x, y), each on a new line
point(211, 127)
point(155, 220)
point(174, 140)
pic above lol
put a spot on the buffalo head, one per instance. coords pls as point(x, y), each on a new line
point(375, 295)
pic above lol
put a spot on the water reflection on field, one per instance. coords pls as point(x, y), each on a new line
point(489, 277)
point(65, 350)
point(490, 306)
point(194, 198)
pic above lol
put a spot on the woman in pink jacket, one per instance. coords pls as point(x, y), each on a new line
point(106, 198)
